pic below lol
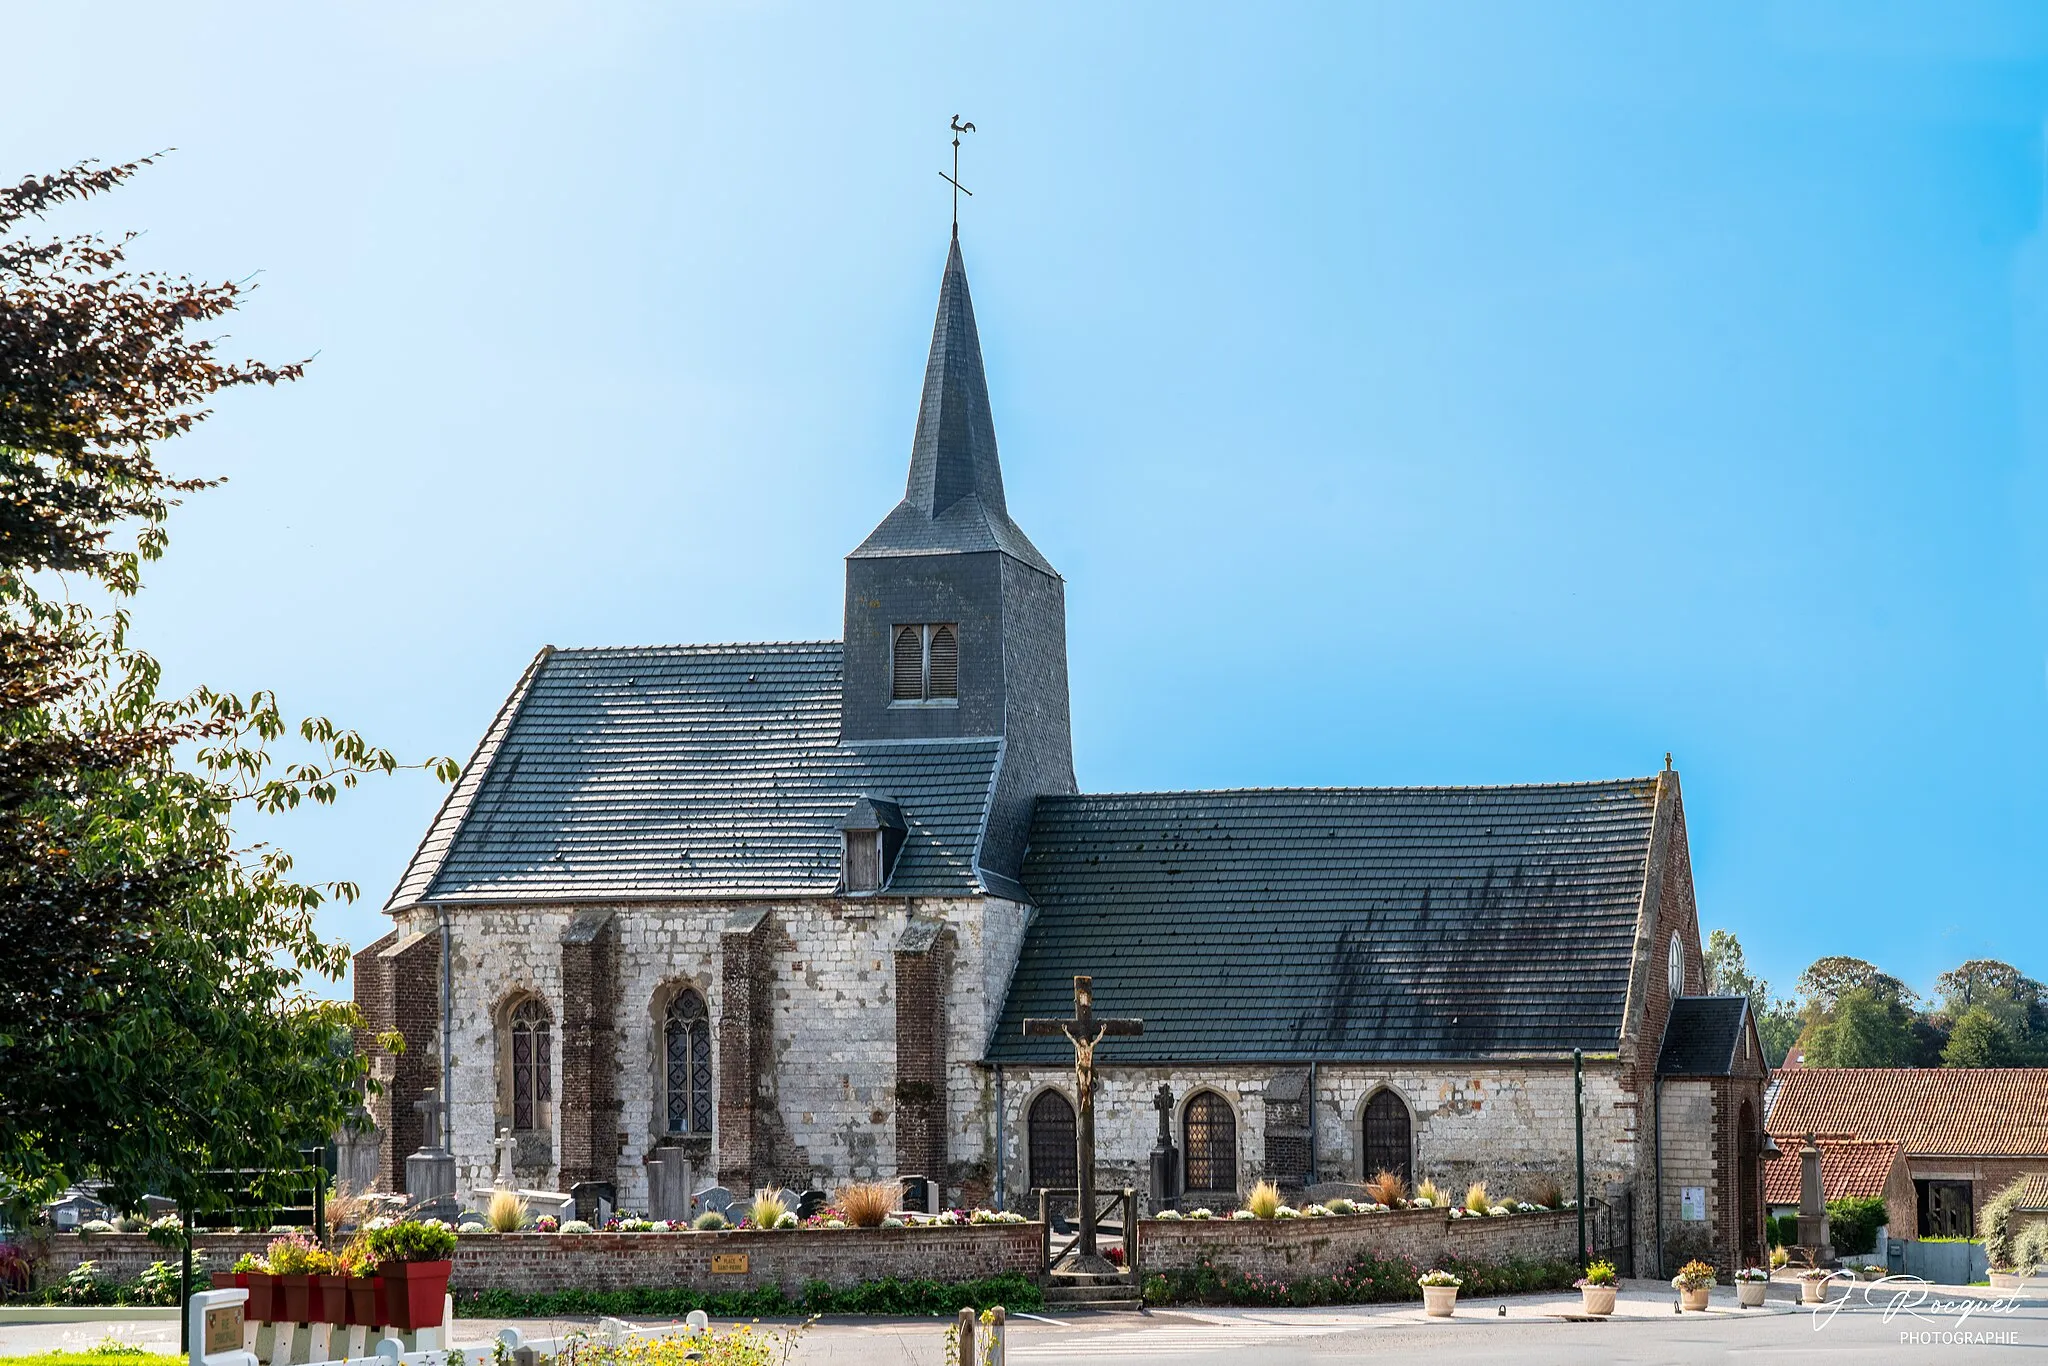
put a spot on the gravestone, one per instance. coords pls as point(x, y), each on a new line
point(669, 1178)
point(810, 1202)
point(1165, 1156)
point(430, 1172)
point(711, 1200)
point(596, 1201)
point(506, 1146)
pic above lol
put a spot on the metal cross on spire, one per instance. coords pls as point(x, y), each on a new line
point(954, 179)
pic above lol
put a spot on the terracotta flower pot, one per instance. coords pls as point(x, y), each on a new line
point(1750, 1294)
point(414, 1292)
point(1813, 1292)
point(262, 1288)
point(1599, 1299)
point(330, 1299)
point(365, 1302)
point(294, 1299)
point(1438, 1301)
point(1695, 1301)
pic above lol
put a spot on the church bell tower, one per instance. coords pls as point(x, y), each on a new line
point(956, 626)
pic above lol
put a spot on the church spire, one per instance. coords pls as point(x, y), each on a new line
point(954, 452)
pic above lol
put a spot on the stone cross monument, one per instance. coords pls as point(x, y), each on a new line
point(1085, 1031)
point(1165, 1157)
point(430, 1172)
point(506, 1146)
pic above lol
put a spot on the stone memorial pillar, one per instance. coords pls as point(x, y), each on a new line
point(1813, 1207)
point(1165, 1156)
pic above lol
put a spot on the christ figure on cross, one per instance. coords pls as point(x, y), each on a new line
point(1085, 1031)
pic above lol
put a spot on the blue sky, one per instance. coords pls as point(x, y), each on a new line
point(1552, 385)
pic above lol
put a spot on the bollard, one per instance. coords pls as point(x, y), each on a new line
point(998, 1331)
point(967, 1321)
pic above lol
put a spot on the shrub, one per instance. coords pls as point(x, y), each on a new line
point(15, 1271)
point(412, 1240)
point(85, 1285)
point(1429, 1195)
point(767, 1209)
point(1599, 1273)
point(158, 1284)
point(920, 1299)
point(93, 1226)
point(710, 1221)
point(1997, 1224)
point(506, 1212)
point(1853, 1224)
point(2030, 1249)
point(1342, 1206)
point(865, 1204)
point(1387, 1188)
point(1546, 1191)
point(1477, 1201)
point(1264, 1200)
point(1783, 1230)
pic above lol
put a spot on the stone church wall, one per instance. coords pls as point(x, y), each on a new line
point(828, 1100)
point(1501, 1125)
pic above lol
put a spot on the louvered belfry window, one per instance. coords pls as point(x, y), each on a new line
point(1051, 1142)
point(925, 663)
point(863, 860)
point(686, 1034)
point(1209, 1136)
point(531, 1046)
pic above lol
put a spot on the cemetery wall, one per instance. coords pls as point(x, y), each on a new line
point(1502, 1125)
point(538, 1262)
point(827, 1099)
point(1293, 1248)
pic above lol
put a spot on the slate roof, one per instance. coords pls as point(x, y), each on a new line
point(1849, 1169)
point(1927, 1111)
point(1701, 1036)
point(1366, 923)
point(693, 771)
point(954, 499)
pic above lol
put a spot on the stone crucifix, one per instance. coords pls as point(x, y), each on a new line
point(1084, 1031)
point(506, 1146)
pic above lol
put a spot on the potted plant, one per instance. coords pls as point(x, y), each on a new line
point(295, 1262)
point(365, 1293)
point(1749, 1286)
point(1598, 1287)
point(251, 1273)
point(414, 1257)
point(1439, 1293)
point(1694, 1281)
point(1813, 1285)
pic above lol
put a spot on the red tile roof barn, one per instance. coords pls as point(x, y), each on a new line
point(1927, 1111)
point(1849, 1169)
point(2033, 1191)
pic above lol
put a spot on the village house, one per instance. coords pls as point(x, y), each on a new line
point(777, 912)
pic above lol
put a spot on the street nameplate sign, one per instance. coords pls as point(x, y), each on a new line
point(729, 1263)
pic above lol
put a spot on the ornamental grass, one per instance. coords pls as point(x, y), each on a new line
point(1430, 1194)
point(1264, 1201)
point(865, 1204)
point(1477, 1201)
point(1545, 1191)
point(506, 1212)
point(1388, 1188)
point(767, 1209)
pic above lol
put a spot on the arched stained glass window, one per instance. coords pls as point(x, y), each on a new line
point(1209, 1140)
point(1050, 1131)
point(529, 1059)
point(686, 1041)
point(1388, 1137)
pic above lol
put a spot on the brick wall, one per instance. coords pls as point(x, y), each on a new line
point(398, 986)
point(1294, 1248)
point(586, 1096)
point(534, 1262)
point(924, 974)
point(745, 1031)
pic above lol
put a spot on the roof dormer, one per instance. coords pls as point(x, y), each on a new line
point(871, 838)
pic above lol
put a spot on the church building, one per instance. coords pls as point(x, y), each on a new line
point(776, 913)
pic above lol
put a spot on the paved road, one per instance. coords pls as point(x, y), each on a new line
point(1644, 1331)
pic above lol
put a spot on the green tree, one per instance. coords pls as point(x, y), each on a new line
point(1980, 1039)
point(1863, 1030)
point(1828, 978)
point(153, 1018)
point(1777, 1021)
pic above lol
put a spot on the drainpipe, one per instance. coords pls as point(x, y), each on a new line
point(447, 1035)
point(1315, 1170)
point(1657, 1150)
point(1002, 1165)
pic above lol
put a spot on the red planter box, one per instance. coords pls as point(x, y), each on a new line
point(260, 1286)
point(293, 1299)
point(415, 1293)
point(330, 1299)
point(365, 1301)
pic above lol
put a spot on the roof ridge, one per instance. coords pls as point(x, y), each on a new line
point(1398, 787)
point(706, 648)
